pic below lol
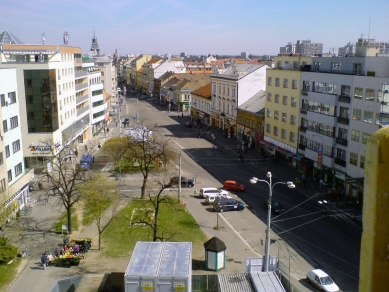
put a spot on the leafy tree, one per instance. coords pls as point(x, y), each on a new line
point(101, 201)
point(7, 251)
point(115, 148)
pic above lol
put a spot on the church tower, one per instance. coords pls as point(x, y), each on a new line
point(94, 49)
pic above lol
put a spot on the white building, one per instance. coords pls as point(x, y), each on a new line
point(14, 176)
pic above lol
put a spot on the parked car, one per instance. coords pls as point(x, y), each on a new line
point(86, 161)
point(275, 207)
point(233, 185)
point(204, 192)
point(222, 205)
point(211, 199)
point(188, 125)
point(322, 281)
point(185, 182)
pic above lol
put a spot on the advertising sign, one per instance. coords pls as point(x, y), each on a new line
point(319, 157)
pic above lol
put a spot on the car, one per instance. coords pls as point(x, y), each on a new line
point(233, 185)
point(275, 207)
point(185, 182)
point(204, 192)
point(188, 125)
point(211, 199)
point(322, 281)
point(126, 121)
point(222, 205)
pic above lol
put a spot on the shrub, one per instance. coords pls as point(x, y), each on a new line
point(7, 251)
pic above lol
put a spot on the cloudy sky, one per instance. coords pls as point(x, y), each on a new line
point(195, 26)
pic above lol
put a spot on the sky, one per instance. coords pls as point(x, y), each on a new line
point(196, 27)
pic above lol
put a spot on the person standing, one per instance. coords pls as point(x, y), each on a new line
point(44, 260)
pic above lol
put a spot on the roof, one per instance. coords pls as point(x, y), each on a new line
point(171, 82)
point(235, 283)
point(243, 69)
point(154, 60)
point(215, 244)
point(8, 38)
point(204, 91)
point(255, 104)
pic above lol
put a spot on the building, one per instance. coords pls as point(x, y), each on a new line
point(302, 47)
point(230, 90)
point(282, 106)
point(383, 46)
point(340, 108)
point(109, 79)
point(94, 49)
point(347, 50)
point(201, 104)
point(135, 71)
point(244, 55)
point(14, 175)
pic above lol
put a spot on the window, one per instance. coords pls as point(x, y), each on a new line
point(353, 158)
point(293, 119)
point(368, 117)
point(358, 93)
point(294, 84)
point(343, 112)
point(284, 117)
point(379, 96)
point(342, 133)
point(285, 100)
point(335, 67)
point(345, 90)
point(365, 137)
point(18, 169)
point(2, 99)
point(283, 133)
point(269, 81)
point(277, 98)
point(233, 92)
point(341, 154)
point(5, 126)
point(362, 162)
point(1, 158)
point(2, 185)
point(268, 112)
point(14, 122)
point(292, 136)
point(12, 97)
point(306, 85)
point(293, 102)
point(16, 146)
point(357, 113)
point(269, 97)
point(285, 83)
point(214, 88)
point(275, 131)
point(277, 82)
point(355, 135)
point(7, 153)
point(268, 128)
point(9, 175)
point(369, 94)
point(275, 114)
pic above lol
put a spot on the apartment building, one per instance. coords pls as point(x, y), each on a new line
point(282, 106)
point(201, 104)
point(340, 108)
point(302, 47)
point(230, 90)
point(14, 175)
point(134, 71)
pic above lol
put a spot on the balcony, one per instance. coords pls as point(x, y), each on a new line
point(82, 111)
point(341, 141)
point(302, 146)
point(340, 162)
point(82, 98)
point(81, 86)
point(344, 98)
point(303, 129)
point(304, 92)
point(303, 111)
point(344, 121)
point(81, 74)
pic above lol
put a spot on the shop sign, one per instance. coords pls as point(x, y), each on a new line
point(16, 194)
point(319, 157)
point(40, 149)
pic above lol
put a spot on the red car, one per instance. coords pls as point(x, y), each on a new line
point(233, 185)
point(188, 125)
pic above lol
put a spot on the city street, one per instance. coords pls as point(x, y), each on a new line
point(321, 233)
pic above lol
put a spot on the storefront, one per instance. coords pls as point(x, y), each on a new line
point(19, 199)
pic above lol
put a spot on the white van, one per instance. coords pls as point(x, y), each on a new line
point(213, 198)
point(204, 192)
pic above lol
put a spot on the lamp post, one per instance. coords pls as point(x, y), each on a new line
point(320, 159)
point(291, 185)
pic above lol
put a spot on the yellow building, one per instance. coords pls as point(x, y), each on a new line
point(135, 73)
point(283, 105)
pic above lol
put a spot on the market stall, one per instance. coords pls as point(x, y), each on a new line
point(66, 260)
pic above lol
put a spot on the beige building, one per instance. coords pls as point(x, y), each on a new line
point(135, 73)
point(282, 105)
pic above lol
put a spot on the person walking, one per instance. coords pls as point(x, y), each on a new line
point(99, 146)
point(198, 134)
point(44, 260)
point(86, 147)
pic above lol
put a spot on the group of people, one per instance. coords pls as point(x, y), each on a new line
point(46, 259)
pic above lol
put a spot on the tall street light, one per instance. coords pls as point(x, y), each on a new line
point(320, 159)
point(291, 185)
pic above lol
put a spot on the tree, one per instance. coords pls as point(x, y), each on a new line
point(115, 148)
point(147, 154)
point(63, 176)
point(101, 201)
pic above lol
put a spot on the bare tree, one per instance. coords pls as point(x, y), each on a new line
point(101, 201)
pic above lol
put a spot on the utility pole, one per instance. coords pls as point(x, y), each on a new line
point(179, 179)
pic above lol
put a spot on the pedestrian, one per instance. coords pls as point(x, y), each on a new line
point(56, 252)
point(116, 124)
point(99, 146)
point(107, 130)
point(182, 114)
point(26, 251)
point(44, 260)
point(86, 147)
point(85, 247)
point(198, 134)
point(178, 117)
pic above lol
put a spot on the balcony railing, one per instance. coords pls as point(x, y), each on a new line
point(303, 129)
point(303, 111)
point(81, 86)
point(83, 110)
point(302, 146)
point(345, 99)
point(340, 162)
point(344, 121)
point(341, 141)
point(304, 92)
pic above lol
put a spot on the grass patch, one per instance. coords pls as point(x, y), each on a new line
point(120, 237)
point(8, 273)
point(63, 220)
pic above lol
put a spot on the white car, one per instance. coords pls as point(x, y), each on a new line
point(322, 281)
point(210, 199)
point(204, 192)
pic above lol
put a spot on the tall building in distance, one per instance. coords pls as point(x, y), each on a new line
point(384, 46)
point(303, 48)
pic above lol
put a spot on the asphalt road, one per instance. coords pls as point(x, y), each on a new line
point(322, 234)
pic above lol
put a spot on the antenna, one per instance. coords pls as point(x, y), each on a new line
point(43, 38)
point(368, 35)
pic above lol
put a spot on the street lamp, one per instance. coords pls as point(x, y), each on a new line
point(320, 159)
point(291, 185)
